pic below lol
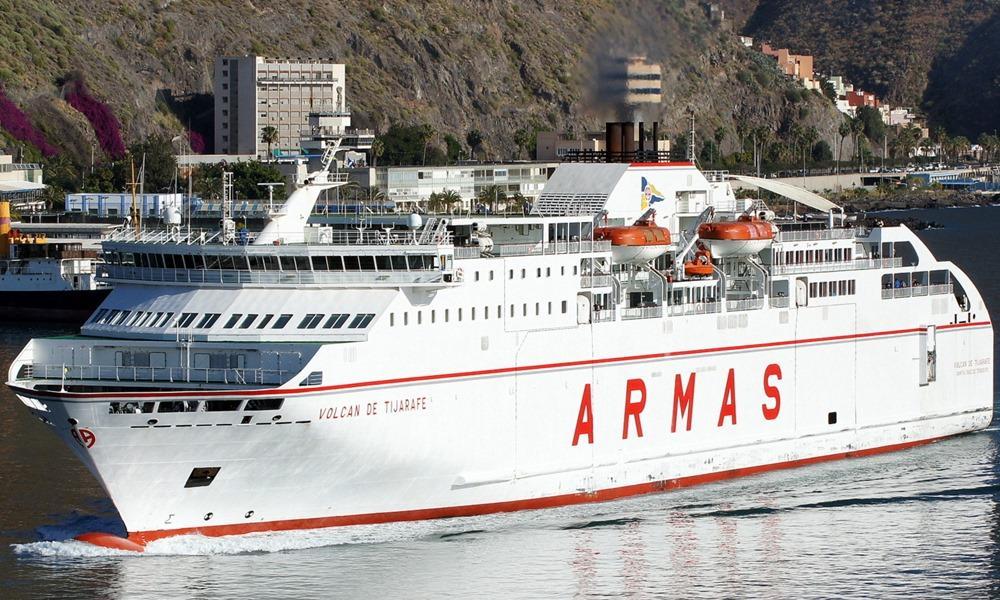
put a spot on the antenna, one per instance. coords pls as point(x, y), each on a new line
point(134, 213)
point(270, 194)
point(691, 140)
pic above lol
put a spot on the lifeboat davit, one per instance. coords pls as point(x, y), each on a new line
point(701, 266)
point(743, 237)
point(639, 243)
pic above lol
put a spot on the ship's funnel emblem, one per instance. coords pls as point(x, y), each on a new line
point(650, 195)
point(84, 437)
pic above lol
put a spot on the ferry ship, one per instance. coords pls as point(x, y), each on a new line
point(641, 330)
point(44, 279)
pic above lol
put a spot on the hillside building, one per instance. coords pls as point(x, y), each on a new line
point(120, 204)
point(797, 66)
point(254, 92)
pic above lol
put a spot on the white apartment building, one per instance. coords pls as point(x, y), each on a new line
point(120, 204)
point(410, 187)
point(254, 92)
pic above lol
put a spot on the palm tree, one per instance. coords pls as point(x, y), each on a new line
point(377, 150)
point(443, 201)
point(492, 195)
point(857, 127)
point(843, 130)
point(269, 135)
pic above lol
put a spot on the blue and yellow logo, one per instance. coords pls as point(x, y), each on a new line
point(650, 195)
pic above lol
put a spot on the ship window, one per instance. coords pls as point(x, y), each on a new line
point(336, 321)
point(477, 276)
point(383, 263)
point(367, 263)
point(538, 272)
point(147, 318)
point(201, 476)
point(562, 270)
point(537, 309)
point(420, 318)
point(268, 403)
point(319, 263)
point(310, 321)
point(406, 318)
point(491, 275)
point(188, 261)
point(524, 273)
point(351, 263)
point(447, 314)
point(416, 262)
point(222, 405)
point(361, 321)
point(510, 274)
point(282, 321)
point(486, 312)
point(233, 320)
point(121, 318)
point(335, 263)
point(575, 269)
point(460, 314)
point(248, 321)
point(135, 317)
point(524, 310)
point(512, 310)
point(398, 263)
point(211, 262)
point(564, 306)
point(550, 308)
point(499, 311)
point(302, 262)
point(256, 264)
point(97, 316)
point(165, 320)
point(433, 316)
point(472, 316)
point(186, 319)
point(208, 320)
point(270, 263)
point(367, 320)
point(548, 271)
point(850, 287)
point(392, 319)
point(287, 263)
point(265, 321)
point(177, 406)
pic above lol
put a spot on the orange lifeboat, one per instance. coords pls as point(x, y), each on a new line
point(639, 243)
point(743, 237)
point(701, 266)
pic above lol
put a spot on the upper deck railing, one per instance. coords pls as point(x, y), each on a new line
point(809, 235)
point(279, 278)
point(314, 236)
point(850, 265)
point(75, 373)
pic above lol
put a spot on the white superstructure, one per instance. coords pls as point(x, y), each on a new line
point(314, 377)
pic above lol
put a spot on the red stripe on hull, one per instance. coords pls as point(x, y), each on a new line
point(485, 372)
point(144, 537)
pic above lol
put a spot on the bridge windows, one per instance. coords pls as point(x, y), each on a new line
point(208, 320)
point(263, 323)
point(310, 321)
point(282, 321)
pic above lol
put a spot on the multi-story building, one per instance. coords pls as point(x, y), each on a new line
point(643, 81)
point(120, 204)
point(859, 98)
point(253, 92)
point(798, 66)
point(411, 187)
point(21, 183)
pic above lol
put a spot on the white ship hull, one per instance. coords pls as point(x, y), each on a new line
point(408, 443)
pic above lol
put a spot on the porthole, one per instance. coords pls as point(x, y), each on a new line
point(276, 418)
point(152, 422)
point(248, 515)
point(208, 516)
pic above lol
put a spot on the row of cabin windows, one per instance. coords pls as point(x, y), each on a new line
point(538, 272)
point(174, 406)
point(829, 289)
point(802, 257)
point(459, 314)
point(129, 318)
point(414, 262)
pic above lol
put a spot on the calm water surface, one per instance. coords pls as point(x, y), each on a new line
point(921, 523)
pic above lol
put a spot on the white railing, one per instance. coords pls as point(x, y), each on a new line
point(234, 277)
point(779, 301)
point(649, 312)
point(602, 316)
point(595, 281)
point(918, 290)
point(538, 249)
point(462, 252)
point(699, 308)
point(159, 374)
point(746, 304)
point(852, 265)
point(818, 234)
